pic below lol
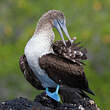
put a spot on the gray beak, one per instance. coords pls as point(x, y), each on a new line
point(60, 24)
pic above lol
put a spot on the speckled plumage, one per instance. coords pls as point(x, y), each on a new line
point(72, 52)
point(52, 67)
point(46, 21)
point(59, 49)
point(78, 80)
point(28, 73)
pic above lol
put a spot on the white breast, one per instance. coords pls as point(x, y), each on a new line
point(37, 46)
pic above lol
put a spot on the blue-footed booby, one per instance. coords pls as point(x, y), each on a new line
point(50, 65)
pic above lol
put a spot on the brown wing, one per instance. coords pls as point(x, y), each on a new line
point(28, 73)
point(64, 72)
point(73, 51)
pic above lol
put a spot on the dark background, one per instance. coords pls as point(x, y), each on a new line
point(88, 20)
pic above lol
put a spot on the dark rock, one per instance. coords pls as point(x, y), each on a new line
point(16, 104)
point(43, 102)
point(38, 106)
point(46, 101)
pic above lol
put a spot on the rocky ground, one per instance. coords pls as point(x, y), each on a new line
point(43, 102)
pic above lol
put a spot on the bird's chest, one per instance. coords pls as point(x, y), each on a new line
point(35, 49)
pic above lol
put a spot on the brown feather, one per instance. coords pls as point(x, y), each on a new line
point(60, 67)
point(72, 51)
point(64, 72)
point(28, 73)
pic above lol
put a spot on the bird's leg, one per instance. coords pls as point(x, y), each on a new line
point(54, 95)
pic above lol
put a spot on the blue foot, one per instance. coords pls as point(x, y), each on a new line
point(54, 95)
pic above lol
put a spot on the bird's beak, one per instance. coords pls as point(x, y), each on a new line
point(60, 24)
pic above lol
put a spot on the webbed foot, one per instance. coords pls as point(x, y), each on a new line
point(54, 95)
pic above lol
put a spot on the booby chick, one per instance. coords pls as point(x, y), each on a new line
point(51, 70)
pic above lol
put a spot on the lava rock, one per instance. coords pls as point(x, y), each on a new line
point(16, 104)
point(43, 102)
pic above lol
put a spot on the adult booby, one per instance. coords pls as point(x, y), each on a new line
point(51, 68)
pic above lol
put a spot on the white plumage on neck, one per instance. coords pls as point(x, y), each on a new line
point(37, 46)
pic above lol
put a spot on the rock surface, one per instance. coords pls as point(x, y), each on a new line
point(43, 102)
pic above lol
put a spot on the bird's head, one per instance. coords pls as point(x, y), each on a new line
point(55, 18)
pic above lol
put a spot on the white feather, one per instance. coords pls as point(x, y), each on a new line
point(38, 45)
